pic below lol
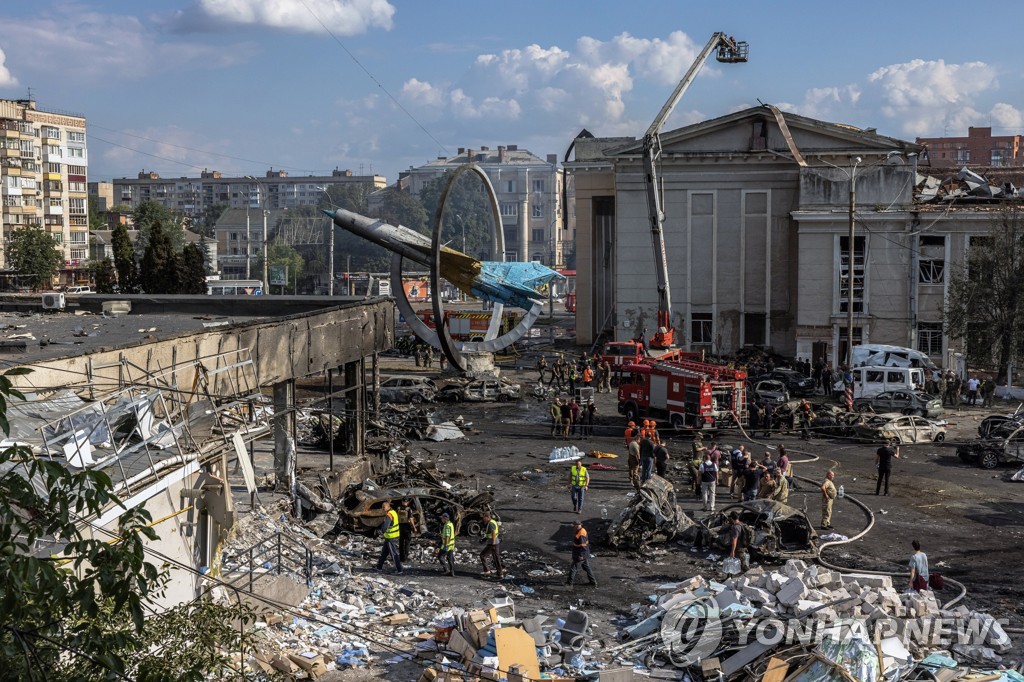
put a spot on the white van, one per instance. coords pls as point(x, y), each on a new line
point(78, 290)
point(877, 354)
point(870, 381)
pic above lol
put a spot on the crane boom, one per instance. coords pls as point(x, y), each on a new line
point(728, 51)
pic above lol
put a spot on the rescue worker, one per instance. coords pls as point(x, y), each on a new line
point(446, 550)
point(542, 366)
point(660, 458)
point(579, 481)
point(406, 528)
point(708, 473)
point(566, 419)
point(589, 412)
point(588, 376)
point(580, 555)
point(574, 376)
point(828, 496)
point(652, 432)
point(491, 547)
point(646, 459)
point(389, 530)
point(806, 416)
point(645, 430)
point(628, 436)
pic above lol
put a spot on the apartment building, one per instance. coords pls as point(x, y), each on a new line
point(979, 148)
point(191, 196)
point(529, 191)
point(43, 176)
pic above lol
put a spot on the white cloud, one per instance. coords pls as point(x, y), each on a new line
point(6, 79)
point(918, 98)
point(93, 47)
point(342, 17)
point(420, 93)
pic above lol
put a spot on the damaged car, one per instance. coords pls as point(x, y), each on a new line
point(407, 389)
point(361, 505)
point(653, 516)
point(480, 390)
point(770, 391)
point(899, 429)
point(1004, 444)
point(780, 531)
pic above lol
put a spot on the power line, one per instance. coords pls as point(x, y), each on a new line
point(374, 79)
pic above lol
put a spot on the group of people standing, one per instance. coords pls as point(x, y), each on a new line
point(589, 371)
point(399, 526)
point(748, 479)
point(569, 418)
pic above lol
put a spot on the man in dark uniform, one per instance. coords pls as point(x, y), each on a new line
point(883, 462)
point(406, 528)
point(580, 555)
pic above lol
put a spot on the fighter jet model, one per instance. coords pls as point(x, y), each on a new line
point(509, 283)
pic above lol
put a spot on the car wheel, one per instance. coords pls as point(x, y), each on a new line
point(502, 398)
point(896, 440)
point(864, 408)
point(474, 528)
point(939, 437)
point(631, 412)
point(677, 422)
point(988, 460)
point(909, 411)
point(416, 399)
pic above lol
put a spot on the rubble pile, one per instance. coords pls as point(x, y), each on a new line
point(965, 185)
point(398, 424)
point(806, 624)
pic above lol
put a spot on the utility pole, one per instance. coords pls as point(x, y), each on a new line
point(330, 258)
point(248, 200)
point(266, 279)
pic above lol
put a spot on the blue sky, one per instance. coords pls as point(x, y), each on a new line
point(242, 85)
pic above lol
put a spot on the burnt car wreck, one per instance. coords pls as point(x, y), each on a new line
point(360, 507)
point(652, 517)
point(780, 531)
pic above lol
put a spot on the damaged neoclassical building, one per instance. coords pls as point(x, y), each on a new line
point(758, 207)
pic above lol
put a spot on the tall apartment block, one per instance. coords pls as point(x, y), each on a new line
point(191, 196)
point(979, 148)
point(43, 175)
point(529, 191)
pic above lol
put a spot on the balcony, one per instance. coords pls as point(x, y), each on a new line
point(54, 210)
point(10, 153)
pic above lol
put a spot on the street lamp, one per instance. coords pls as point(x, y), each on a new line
point(851, 174)
point(262, 194)
point(330, 247)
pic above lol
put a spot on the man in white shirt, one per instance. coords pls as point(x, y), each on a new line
point(972, 389)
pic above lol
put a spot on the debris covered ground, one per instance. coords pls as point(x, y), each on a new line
point(960, 512)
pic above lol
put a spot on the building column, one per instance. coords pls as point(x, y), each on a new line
point(284, 426)
point(524, 229)
point(355, 415)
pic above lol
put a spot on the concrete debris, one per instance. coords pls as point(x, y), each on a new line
point(966, 185)
point(652, 517)
point(827, 626)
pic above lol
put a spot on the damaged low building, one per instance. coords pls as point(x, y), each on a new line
point(167, 400)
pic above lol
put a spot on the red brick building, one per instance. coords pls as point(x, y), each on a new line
point(979, 148)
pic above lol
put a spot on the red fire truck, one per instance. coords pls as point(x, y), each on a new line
point(622, 353)
point(688, 394)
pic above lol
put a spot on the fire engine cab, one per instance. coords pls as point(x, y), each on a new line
point(622, 353)
point(690, 395)
point(471, 325)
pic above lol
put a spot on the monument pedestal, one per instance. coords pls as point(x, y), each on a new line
point(479, 363)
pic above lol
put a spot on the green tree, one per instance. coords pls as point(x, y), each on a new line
point(208, 221)
point(104, 275)
point(149, 213)
point(467, 208)
point(34, 255)
point(192, 274)
point(75, 604)
point(281, 254)
point(97, 219)
point(160, 264)
point(985, 307)
point(124, 260)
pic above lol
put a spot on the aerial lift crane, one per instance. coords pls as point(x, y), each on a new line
point(726, 50)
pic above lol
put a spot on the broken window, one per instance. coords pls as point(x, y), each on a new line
point(932, 260)
point(859, 249)
point(929, 338)
point(701, 328)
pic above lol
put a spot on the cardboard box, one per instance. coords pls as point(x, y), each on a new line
point(397, 619)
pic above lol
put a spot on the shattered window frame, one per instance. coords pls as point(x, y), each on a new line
point(929, 338)
point(859, 273)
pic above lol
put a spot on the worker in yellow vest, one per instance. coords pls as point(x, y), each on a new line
point(446, 552)
point(579, 481)
point(389, 530)
point(491, 547)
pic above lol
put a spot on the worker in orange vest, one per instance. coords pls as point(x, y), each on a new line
point(588, 376)
point(652, 432)
point(628, 436)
